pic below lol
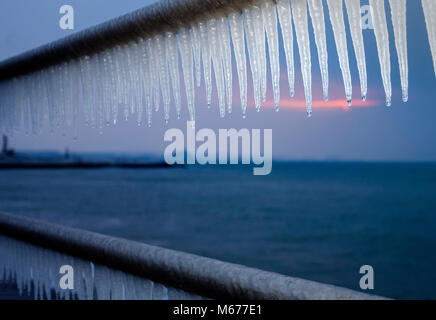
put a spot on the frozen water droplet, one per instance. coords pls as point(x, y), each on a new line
point(388, 101)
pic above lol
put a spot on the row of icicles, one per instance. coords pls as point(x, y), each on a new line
point(35, 271)
point(136, 78)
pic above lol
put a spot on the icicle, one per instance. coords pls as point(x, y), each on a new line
point(285, 18)
point(316, 10)
point(153, 70)
point(173, 61)
point(206, 57)
point(185, 44)
point(382, 37)
point(337, 20)
point(137, 55)
point(259, 31)
point(269, 17)
point(89, 84)
point(131, 84)
point(398, 12)
point(237, 30)
point(123, 80)
point(429, 7)
point(34, 110)
point(106, 88)
point(98, 93)
point(226, 57)
point(135, 91)
point(74, 95)
point(217, 63)
point(113, 86)
point(253, 55)
point(299, 8)
point(196, 46)
point(163, 74)
point(355, 20)
point(119, 99)
point(146, 80)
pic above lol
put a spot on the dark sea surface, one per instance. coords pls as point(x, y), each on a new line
point(319, 221)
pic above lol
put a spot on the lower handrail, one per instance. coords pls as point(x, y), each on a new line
point(203, 276)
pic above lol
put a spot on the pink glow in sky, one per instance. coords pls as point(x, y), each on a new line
point(331, 104)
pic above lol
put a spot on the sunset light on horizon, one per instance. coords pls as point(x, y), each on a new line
point(330, 104)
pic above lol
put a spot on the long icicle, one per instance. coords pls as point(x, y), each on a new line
point(226, 56)
point(299, 8)
point(153, 74)
point(217, 64)
point(316, 10)
point(146, 81)
point(336, 14)
point(238, 39)
point(259, 31)
point(382, 38)
point(398, 12)
point(185, 44)
point(206, 58)
point(196, 47)
point(163, 75)
point(285, 18)
point(355, 20)
point(269, 16)
point(429, 7)
point(172, 57)
point(253, 56)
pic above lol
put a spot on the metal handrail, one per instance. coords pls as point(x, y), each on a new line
point(165, 15)
point(203, 276)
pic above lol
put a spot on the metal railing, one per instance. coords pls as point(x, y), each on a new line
point(199, 275)
point(165, 15)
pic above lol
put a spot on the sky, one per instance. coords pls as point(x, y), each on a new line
point(364, 132)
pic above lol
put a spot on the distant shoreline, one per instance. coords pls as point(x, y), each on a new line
point(83, 165)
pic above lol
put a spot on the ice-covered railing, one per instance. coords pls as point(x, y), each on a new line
point(29, 266)
point(130, 65)
point(35, 272)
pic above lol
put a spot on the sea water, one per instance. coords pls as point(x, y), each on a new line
point(319, 221)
